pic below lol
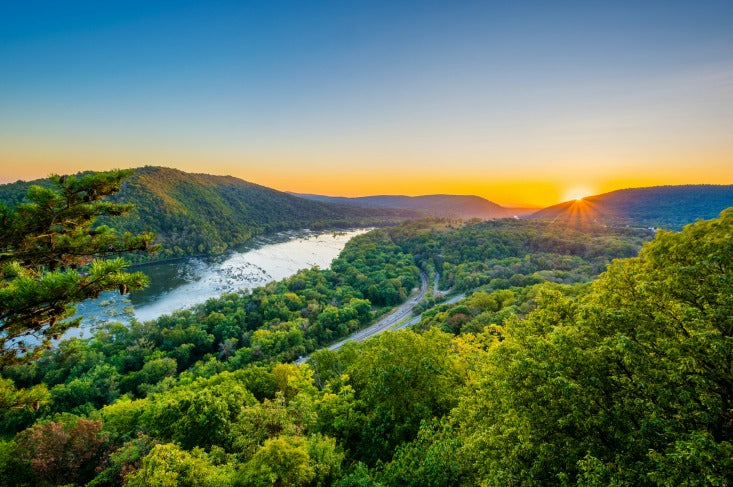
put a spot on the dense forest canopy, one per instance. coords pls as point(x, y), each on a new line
point(575, 358)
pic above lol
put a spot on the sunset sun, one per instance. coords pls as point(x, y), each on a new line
point(577, 193)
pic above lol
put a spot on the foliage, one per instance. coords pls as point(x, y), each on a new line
point(168, 465)
point(62, 452)
point(629, 384)
point(501, 254)
point(12, 398)
point(625, 380)
point(431, 460)
point(47, 247)
point(292, 460)
point(123, 461)
point(199, 414)
point(13, 470)
point(400, 379)
point(485, 311)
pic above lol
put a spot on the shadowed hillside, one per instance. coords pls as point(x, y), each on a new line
point(658, 206)
point(436, 205)
point(201, 213)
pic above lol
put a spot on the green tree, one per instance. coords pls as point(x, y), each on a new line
point(281, 461)
point(293, 460)
point(50, 258)
point(123, 462)
point(400, 379)
point(12, 398)
point(170, 466)
point(431, 460)
point(198, 414)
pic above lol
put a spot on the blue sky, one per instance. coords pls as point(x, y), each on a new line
point(492, 98)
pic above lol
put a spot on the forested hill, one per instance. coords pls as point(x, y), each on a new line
point(437, 205)
point(659, 206)
point(201, 213)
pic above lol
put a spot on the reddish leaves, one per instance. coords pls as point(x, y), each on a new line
point(62, 453)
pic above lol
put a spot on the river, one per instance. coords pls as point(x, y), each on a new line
point(183, 283)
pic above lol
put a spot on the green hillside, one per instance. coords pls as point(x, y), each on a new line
point(201, 213)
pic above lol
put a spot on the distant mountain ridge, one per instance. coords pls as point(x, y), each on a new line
point(437, 205)
point(656, 206)
point(201, 213)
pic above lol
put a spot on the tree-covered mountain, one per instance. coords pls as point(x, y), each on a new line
point(436, 205)
point(658, 206)
point(201, 213)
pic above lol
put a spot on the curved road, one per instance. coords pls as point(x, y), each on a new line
point(385, 323)
point(417, 318)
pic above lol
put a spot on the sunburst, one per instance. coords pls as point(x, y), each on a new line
point(579, 211)
point(577, 193)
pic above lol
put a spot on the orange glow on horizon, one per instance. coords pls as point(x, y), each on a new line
point(500, 186)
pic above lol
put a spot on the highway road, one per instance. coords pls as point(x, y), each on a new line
point(416, 319)
point(385, 323)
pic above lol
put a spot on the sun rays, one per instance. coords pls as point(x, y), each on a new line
point(580, 211)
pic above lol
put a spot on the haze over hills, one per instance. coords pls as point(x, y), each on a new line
point(437, 205)
point(658, 206)
point(201, 213)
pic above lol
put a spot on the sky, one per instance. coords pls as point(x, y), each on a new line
point(523, 103)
